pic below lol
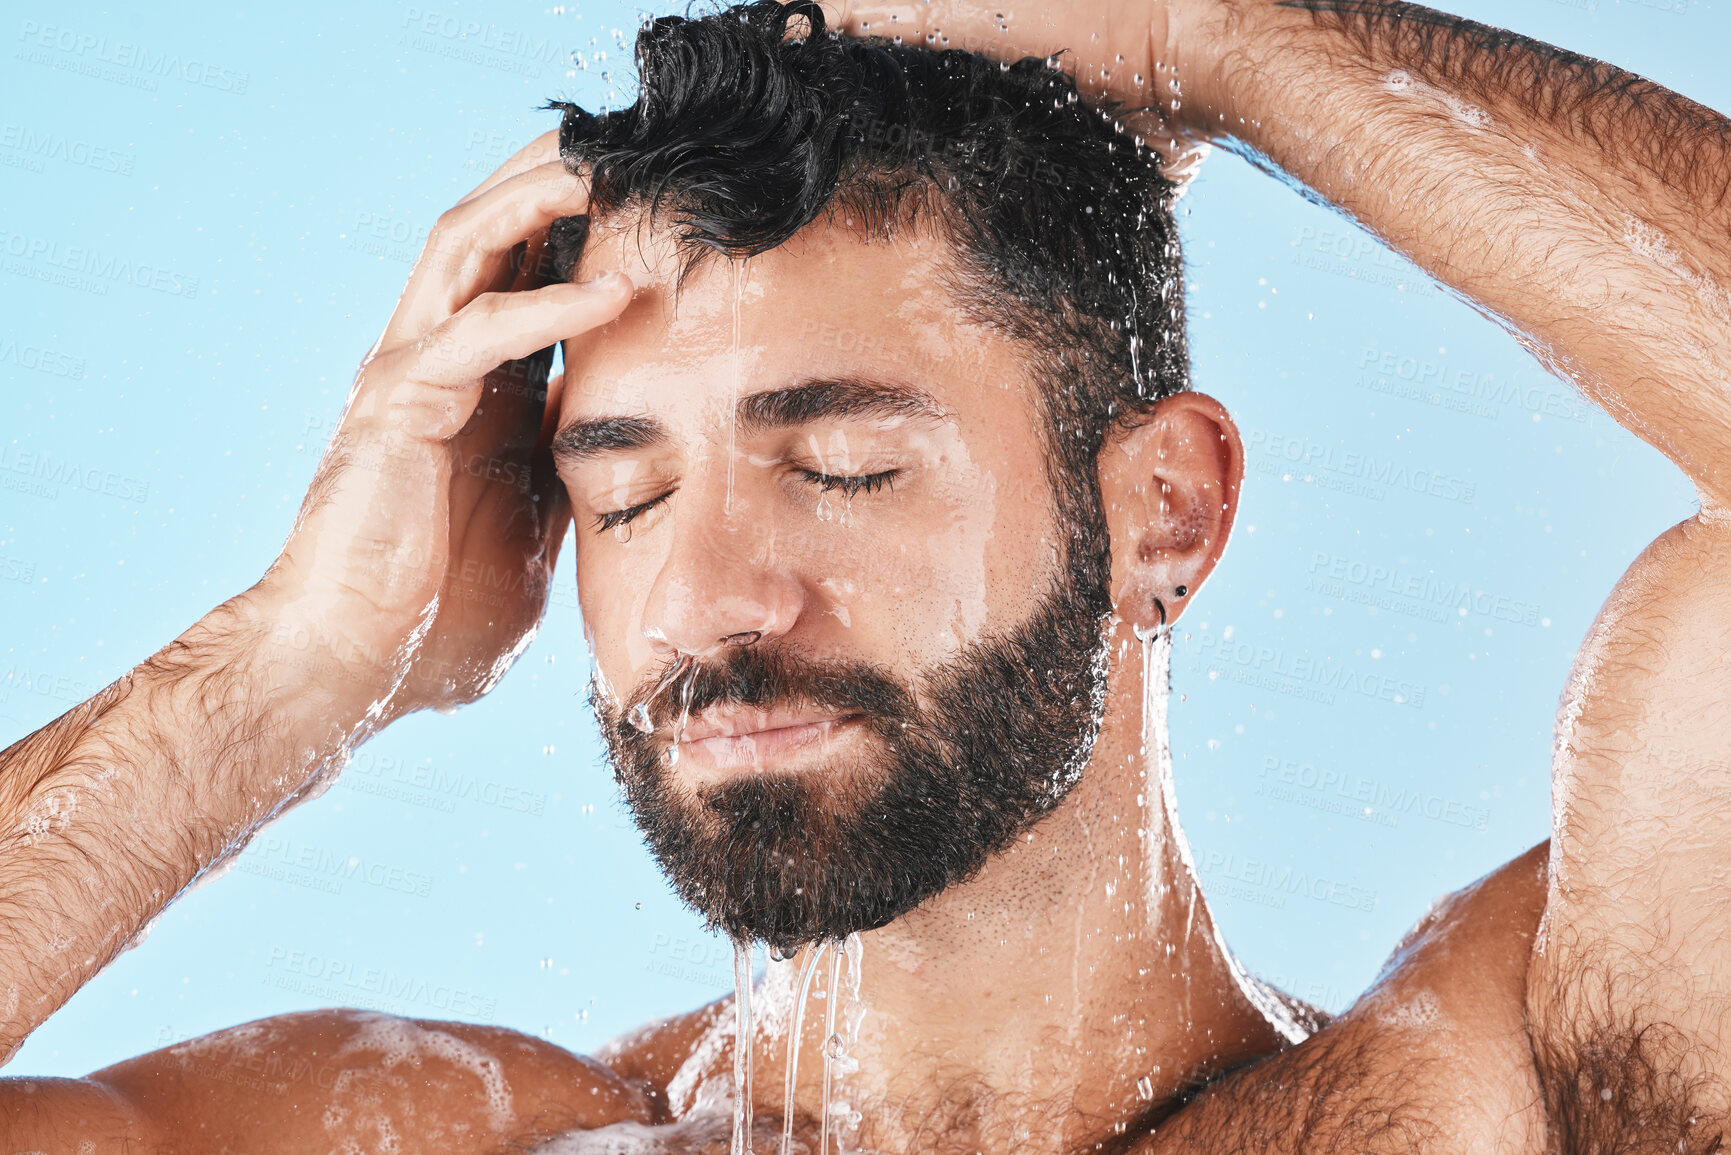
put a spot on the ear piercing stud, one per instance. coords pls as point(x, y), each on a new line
point(1182, 590)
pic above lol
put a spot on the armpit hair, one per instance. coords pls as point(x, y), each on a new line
point(1614, 1069)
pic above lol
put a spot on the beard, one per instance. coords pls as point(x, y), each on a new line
point(956, 768)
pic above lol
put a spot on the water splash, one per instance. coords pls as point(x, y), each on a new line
point(797, 1020)
point(741, 1047)
point(641, 718)
point(685, 695)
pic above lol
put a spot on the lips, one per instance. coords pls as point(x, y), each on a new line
point(731, 738)
point(743, 721)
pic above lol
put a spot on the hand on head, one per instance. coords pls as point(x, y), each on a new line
point(422, 556)
point(1148, 56)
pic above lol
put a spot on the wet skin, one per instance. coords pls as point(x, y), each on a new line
point(955, 538)
point(959, 545)
point(1451, 993)
point(1481, 1034)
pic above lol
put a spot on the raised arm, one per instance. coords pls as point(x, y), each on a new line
point(1586, 208)
point(417, 571)
point(1582, 205)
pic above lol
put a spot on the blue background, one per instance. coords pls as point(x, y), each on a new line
point(268, 173)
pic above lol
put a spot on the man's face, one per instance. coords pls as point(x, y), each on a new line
point(819, 562)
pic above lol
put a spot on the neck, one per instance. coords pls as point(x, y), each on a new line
point(1075, 983)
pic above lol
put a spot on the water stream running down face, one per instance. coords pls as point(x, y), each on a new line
point(796, 1021)
point(841, 996)
point(641, 719)
point(839, 1117)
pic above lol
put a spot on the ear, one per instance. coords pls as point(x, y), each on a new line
point(1170, 486)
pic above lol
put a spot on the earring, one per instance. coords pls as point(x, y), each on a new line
point(1147, 635)
point(1182, 590)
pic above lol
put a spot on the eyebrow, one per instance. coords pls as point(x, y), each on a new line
point(758, 413)
point(586, 440)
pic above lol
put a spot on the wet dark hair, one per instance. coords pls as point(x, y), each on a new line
point(1062, 224)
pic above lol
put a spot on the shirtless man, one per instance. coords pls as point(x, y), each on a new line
point(879, 634)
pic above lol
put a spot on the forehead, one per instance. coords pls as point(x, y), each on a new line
point(827, 301)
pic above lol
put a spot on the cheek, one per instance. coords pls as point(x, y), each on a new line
point(613, 587)
point(969, 560)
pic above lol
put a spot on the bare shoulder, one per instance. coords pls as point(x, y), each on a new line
point(1434, 1057)
point(326, 1080)
point(673, 1061)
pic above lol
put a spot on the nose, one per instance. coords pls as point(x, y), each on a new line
point(721, 584)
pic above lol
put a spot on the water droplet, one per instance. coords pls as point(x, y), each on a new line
point(640, 719)
point(834, 1047)
point(1145, 1088)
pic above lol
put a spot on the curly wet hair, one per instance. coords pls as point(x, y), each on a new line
point(755, 121)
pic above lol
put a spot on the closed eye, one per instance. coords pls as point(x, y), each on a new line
point(849, 485)
point(619, 517)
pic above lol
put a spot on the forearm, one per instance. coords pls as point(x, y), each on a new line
point(110, 811)
point(1583, 205)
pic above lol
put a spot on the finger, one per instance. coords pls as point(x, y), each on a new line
point(513, 401)
point(430, 389)
point(540, 416)
point(544, 149)
point(516, 392)
point(469, 249)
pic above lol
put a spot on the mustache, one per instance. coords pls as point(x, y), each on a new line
point(755, 677)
